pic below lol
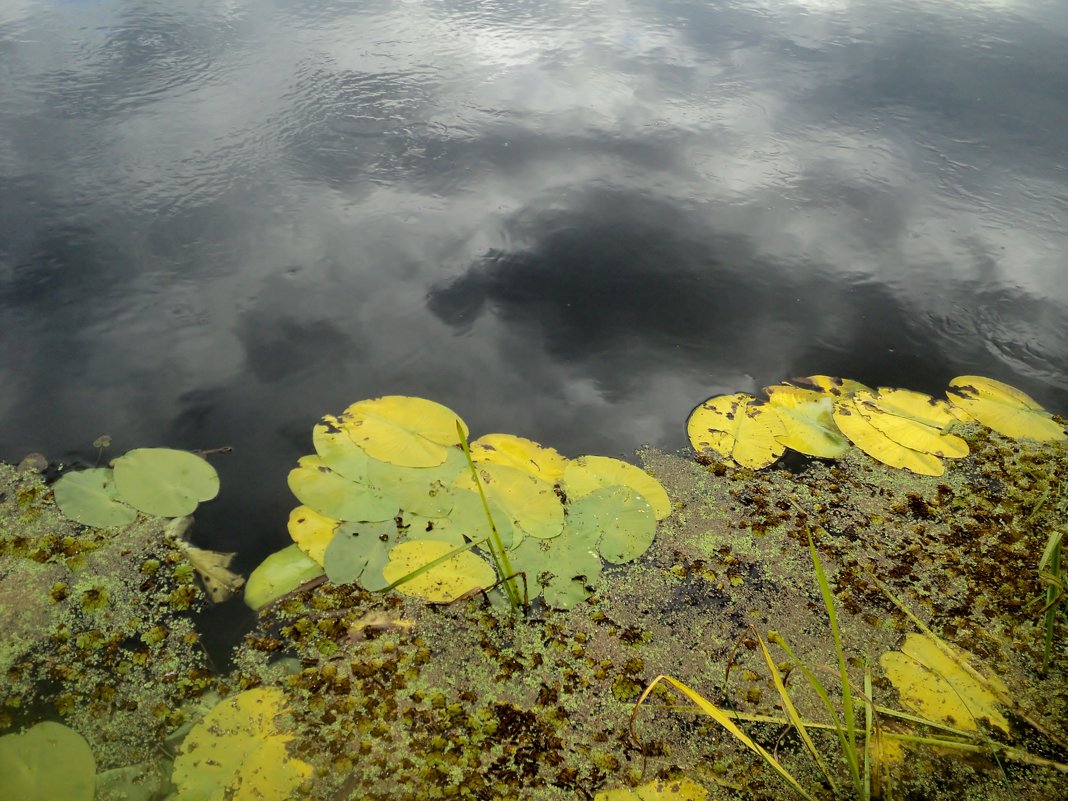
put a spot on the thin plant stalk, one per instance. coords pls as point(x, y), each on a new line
point(1051, 561)
point(496, 547)
point(847, 692)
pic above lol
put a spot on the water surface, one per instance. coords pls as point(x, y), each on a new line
point(571, 221)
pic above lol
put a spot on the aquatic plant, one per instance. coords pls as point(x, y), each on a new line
point(162, 482)
point(237, 752)
point(936, 681)
point(817, 415)
point(396, 497)
point(29, 760)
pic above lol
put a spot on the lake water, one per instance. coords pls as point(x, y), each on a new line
point(570, 221)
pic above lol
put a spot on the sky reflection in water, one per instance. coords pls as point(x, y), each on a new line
point(572, 221)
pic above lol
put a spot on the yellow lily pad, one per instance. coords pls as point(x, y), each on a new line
point(740, 427)
point(588, 473)
point(402, 430)
point(876, 444)
point(808, 417)
point(906, 418)
point(238, 753)
point(935, 686)
point(312, 531)
point(524, 454)
point(832, 385)
point(1004, 408)
point(446, 582)
point(660, 790)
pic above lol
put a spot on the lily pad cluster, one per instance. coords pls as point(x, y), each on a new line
point(156, 481)
point(822, 415)
point(389, 499)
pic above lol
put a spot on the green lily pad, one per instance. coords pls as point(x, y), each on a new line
point(358, 552)
point(91, 498)
point(47, 762)
point(421, 490)
point(164, 481)
point(621, 519)
point(281, 572)
point(563, 569)
point(531, 504)
point(331, 494)
point(338, 452)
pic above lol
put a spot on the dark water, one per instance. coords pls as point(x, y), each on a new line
point(571, 221)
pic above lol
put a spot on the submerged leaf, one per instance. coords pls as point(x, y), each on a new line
point(213, 567)
point(442, 583)
point(519, 452)
point(164, 481)
point(238, 753)
point(1004, 408)
point(588, 473)
point(740, 427)
point(879, 446)
point(280, 573)
point(91, 498)
point(406, 431)
point(47, 762)
point(808, 417)
point(935, 686)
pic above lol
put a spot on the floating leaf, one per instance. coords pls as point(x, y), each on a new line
point(358, 552)
point(332, 495)
point(1004, 408)
point(618, 519)
point(832, 385)
point(164, 481)
point(908, 419)
point(587, 473)
point(531, 505)
point(563, 569)
point(238, 753)
point(879, 446)
point(410, 432)
point(739, 427)
point(311, 531)
point(91, 498)
point(421, 490)
point(519, 452)
point(47, 762)
point(808, 417)
point(467, 521)
point(935, 686)
point(280, 573)
point(442, 583)
point(659, 790)
point(337, 450)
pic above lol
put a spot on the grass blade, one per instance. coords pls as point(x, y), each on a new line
point(718, 715)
